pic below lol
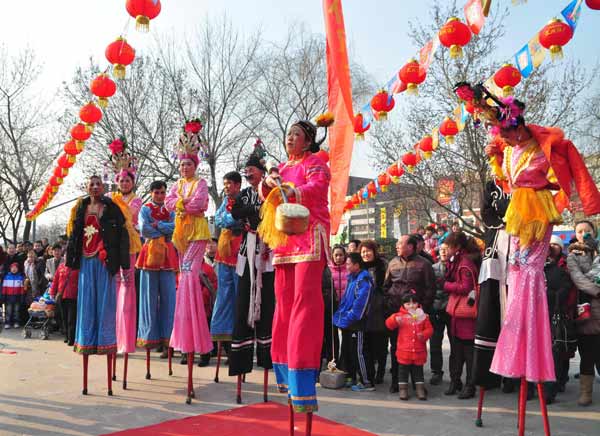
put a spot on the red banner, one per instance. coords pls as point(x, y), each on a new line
point(445, 188)
point(341, 133)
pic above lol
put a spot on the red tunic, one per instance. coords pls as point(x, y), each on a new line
point(92, 238)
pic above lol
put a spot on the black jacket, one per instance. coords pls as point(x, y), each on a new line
point(114, 237)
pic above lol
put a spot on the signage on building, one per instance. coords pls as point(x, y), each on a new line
point(383, 222)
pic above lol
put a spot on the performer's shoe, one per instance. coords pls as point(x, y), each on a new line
point(436, 378)
point(204, 360)
point(454, 388)
point(467, 392)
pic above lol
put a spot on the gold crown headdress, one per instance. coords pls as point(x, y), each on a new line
point(121, 162)
point(189, 145)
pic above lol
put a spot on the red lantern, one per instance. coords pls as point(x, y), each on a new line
point(382, 103)
point(359, 127)
point(323, 155)
point(396, 171)
point(409, 160)
point(455, 35)
point(449, 129)
point(507, 78)
point(120, 54)
point(143, 11)
point(371, 189)
point(554, 36)
point(55, 181)
point(384, 181)
point(66, 160)
point(103, 88)
point(72, 148)
point(80, 134)
point(60, 172)
point(593, 4)
point(412, 74)
point(90, 114)
point(426, 146)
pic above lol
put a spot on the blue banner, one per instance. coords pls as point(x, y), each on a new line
point(524, 62)
point(572, 12)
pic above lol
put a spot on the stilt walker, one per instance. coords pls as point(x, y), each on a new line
point(98, 247)
point(533, 161)
point(158, 264)
point(255, 300)
point(188, 198)
point(230, 238)
point(299, 262)
point(122, 164)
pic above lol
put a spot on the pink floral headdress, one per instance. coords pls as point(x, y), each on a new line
point(121, 162)
point(189, 145)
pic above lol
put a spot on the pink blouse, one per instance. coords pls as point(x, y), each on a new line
point(194, 203)
point(528, 168)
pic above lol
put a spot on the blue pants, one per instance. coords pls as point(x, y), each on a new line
point(96, 309)
point(221, 325)
point(157, 308)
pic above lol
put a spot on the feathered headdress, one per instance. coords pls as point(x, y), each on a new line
point(121, 162)
point(189, 145)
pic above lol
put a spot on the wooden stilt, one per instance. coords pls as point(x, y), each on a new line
point(148, 376)
point(309, 417)
point(478, 421)
point(109, 367)
point(291, 418)
point(170, 356)
point(114, 367)
point(543, 408)
point(218, 362)
point(522, 405)
point(190, 389)
point(265, 385)
point(125, 362)
point(85, 374)
point(238, 398)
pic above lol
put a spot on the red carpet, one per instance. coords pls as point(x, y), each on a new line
point(264, 419)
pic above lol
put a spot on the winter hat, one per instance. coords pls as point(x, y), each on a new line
point(556, 240)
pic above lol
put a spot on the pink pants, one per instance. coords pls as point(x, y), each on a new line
point(298, 331)
point(126, 309)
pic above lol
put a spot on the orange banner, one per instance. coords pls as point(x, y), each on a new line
point(341, 133)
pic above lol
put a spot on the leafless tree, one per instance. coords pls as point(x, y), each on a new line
point(26, 145)
point(553, 92)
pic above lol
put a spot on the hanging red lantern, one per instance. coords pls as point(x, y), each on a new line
point(371, 189)
point(409, 160)
point(412, 74)
point(384, 181)
point(593, 4)
point(426, 146)
point(382, 103)
point(554, 36)
point(60, 172)
point(66, 160)
point(323, 155)
point(55, 181)
point(507, 78)
point(143, 11)
point(120, 54)
point(359, 127)
point(395, 171)
point(103, 87)
point(449, 129)
point(90, 114)
point(80, 134)
point(455, 35)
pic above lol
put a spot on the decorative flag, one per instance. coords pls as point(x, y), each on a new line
point(538, 53)
point(474, 16)
point(572, 12)
point(339, 96)
point(524, 62)
point(427, 51)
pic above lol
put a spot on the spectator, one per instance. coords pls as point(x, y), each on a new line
point(456, 227)
point(3, 259)
point(461, 279)
point(64, 291)
point(420, 231)
point(353, 246)
point(442, 233)
point(414, 330)
point(375, 331)
point(34, 273)
point(431, 241)
point(13, 293)
point(420, 248)
point(12, 256)
point(211, 251)
point(40, 252)
point(407, 271)
point(562, 297)
point(580, 261)
point(335, 275)
point(21, 254)
point(53, 263)
point(351, 318)
point(439, 319)
point(45, 243)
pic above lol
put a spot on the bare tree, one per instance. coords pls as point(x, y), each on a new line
point(26, 147)
point(553, 94)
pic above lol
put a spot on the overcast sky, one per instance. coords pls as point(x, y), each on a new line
point(65, 33)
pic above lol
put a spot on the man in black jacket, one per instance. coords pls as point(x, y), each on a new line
point(98, 247)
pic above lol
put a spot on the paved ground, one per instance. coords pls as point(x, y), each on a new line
point(40, 394)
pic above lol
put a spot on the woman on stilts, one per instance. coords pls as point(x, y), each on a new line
point(534, 161)
point(98, 247)
point(122, 163)
point(188, 198)
point(299, 262)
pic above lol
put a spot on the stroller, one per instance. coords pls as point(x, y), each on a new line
point(41, 314)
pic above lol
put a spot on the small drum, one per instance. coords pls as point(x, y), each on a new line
point(291, 218)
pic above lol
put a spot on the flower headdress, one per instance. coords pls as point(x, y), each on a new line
point(189, 145)
point(121, 162)
point(257, 157)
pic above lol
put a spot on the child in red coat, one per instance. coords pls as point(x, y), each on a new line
point(414, 330)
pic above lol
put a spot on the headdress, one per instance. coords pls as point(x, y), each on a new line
point(257, 157)
point(121, 162)
point(310, 130)
point(189, 145)
point(498, 112)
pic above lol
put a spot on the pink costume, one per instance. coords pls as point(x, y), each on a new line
point(298, 320)
point(189, 200)
point(126, 293)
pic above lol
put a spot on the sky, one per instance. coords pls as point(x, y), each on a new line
point(65, 33)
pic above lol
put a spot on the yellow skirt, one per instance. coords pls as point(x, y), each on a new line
point(189, 228)
point(529, 214)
